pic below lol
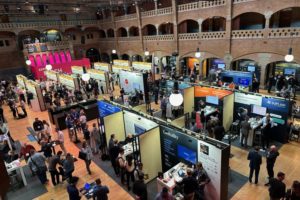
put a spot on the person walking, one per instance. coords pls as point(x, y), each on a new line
point(95, 139)
point(47, 130)
point(53, 161)
point(138, 170)
point(68, 167)
point(245, 127)
point(22, 105)
point(100, 191)
point(271, 158)
point(294, 192)
point(255, 162)
point(37, 162)
point(86, 133)
point(89, 155)
point(129, 166)
point(73, 191)
point(61, 140)
point(139, 188)
point(277, 187)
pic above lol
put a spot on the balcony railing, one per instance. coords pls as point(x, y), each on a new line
point(188, 7)
point(241, 1)
point(165, 37)
point(208, 4)
point(126, 17)
point(212, 35)
point(284, 32)
point(162, 11)
point(247, 34)
point(188, 36)
point(132, 38)
point(150, 37)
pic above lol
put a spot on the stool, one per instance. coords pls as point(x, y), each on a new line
point(234, 128)
point(258, 137)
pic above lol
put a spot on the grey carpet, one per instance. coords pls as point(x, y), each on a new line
point(32, 190)
point(236, 182)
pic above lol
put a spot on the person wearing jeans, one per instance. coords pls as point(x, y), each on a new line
point(89, 155)
point(53, 161)
point(37, 162)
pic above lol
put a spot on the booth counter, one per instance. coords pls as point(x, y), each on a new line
point(57, 115)
point(254, 124)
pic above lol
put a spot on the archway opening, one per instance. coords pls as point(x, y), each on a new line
point(288, 17)
point(125, 56)
point(93, 55)
point(133, 31)
point(149, 30)
point(188, 26)
point(104, 57)
point(110, 33)
point(122, 32)
point(52, 35)
point(214, 24)
point(165, 29)
point(247, 65)
point(249, 21)
point(137, 57)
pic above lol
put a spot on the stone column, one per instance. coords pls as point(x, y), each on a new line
point(268, 15)
point(200, 27)
point(139, 18)
point(115, 32)
point(175, 33)
point(263, 60)
point(157, 31)
point(229, 7)
point(156, 6)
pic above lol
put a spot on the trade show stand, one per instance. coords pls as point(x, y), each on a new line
point(255, 123)
point(57, 115)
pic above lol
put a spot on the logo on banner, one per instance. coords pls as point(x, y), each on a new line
point(276, 104)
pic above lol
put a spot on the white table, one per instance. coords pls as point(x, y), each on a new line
point(14, 166)
point(128, 149)
point(171, 177)
point(254, 124)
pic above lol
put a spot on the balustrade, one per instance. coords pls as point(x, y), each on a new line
point(247, 34)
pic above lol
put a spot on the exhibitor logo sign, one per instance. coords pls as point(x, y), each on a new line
point(276, 104)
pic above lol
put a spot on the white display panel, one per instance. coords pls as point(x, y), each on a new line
point(131, 81)
point(101, 66)
point(134, 124)
point(31, 87)
point(96, 74)
point(52, 75)
point(259, 110)
point(142, 65)
point(121, 62)
point(211, 159)
point(67, 80)
point(21, 80)
point(247, 99)
point(77, 70)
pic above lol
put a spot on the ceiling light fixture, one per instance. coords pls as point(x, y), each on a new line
point(28, 62)
point(85, 76)
point(147, 53)
point(198, 53)
point(114, 51)
point(48, 67)
point(176, 98)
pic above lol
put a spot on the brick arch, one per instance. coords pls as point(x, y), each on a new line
point(91, 28)
point(241, 13)
point(204, 55)
point(7, 34)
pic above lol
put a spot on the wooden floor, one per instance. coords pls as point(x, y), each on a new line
point(288, 162)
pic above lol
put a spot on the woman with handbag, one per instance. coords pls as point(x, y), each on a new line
point(86, 149)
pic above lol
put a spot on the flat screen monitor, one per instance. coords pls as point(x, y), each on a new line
point(221, 66)
point(244, 81)
point(138, 130)
point(227, 79)
point(258, 110)
point(186, 154)
point(289, 71)
point(251, 68)
point(212, 99)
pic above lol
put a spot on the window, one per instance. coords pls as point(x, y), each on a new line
point(1, 43)
point(74, 37)
point(88, 36)
point(7, 43)
point(92, 36)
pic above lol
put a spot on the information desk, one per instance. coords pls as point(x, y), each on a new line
point(14, 166)
point(254, 124)
point(57, 115)
point(170, 177)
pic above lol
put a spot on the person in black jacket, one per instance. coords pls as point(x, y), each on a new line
point(294, 192)
point(219, 131)
point(255, 162)
point(190, 185)
point(277, 187)
point(271, 158)
point(140, 188)
point(113, 153)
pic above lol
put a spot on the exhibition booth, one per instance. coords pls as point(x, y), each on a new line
point(52, 75)
point(166, 150)
point(142, 66)
point(256, 106)
point(102, 66)
point(101, 77)
point(37, 103)
point(242, 79)
point(69, 81)
point(123, 63)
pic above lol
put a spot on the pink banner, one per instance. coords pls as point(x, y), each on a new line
point(38, 59)
point(51, 58)
point(31, 58)
point(57, 58)
point(44, 57)
point(62, 57)
point(38, 72)
point(68, 55)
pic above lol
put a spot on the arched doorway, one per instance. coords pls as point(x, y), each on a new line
point(125, 56)
point(247, 65)
point(165, 29)
point(137, 58)
point(211, 65)
point(104, 57)
point(114, 56)
point(188, 26)
point(52, 35)
point(93, 55)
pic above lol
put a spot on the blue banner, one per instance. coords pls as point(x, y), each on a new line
point(276, 104)
point(106, 109)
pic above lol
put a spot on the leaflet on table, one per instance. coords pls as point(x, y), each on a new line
point(66, 80)
point(77, 70)
point(96, 74)
point(121, 62)
point(142, 65)
point(31, 86)
point(211, 158)
point(52, 75)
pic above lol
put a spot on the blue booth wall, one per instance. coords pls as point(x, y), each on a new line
point(239, 78)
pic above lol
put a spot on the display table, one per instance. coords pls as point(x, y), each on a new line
point(14, 166)
point(57, 115)
point(172, 176)
point(254, 124)
point(128, 149)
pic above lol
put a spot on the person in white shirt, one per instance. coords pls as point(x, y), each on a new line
point(82, 120)
point(61, 140)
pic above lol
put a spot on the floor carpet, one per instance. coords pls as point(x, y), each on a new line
point(236, 182)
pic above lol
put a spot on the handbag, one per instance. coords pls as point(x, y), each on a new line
point(82, 155)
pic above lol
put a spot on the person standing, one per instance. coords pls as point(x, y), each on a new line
point(100, 191)
point(73, 191)
point(22, 105)
point(138, 170)
point(113, 153)
point(37, 162)
point(255, 162)
point(270, 83)
point(95, 138)
point(266, 130)
point(245, 127)
point(89, 155)
point(164, 195)
point(277, 187)
point(61, 140)
point(68, 166)
point(38, 126)
point(122, 92)
point(53, 161)
point(86, 134)
point(129, 166)
point(121, 163)
point(190, 185)
point(201, 176)
point(271, 158)
point(140, 188)
point(111, 141)
point(219, 131)
point(294, 192)
point(47, 130)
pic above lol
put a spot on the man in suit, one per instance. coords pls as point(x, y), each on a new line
point(255, 162)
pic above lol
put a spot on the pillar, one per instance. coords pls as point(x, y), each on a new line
point(263, 60)
point(268, 15)
point(139, 18)
point(229, 8)
point(115, 46)
point(155, 5)
point(157, 31)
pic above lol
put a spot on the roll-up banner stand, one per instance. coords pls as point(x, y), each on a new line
point(101, 77)
point(221, 105)
point(123, 63)
point(37, 102)
point(21, 80)
point(69, 81)
point(51, 75)
point(179, 147)
point(277, 107)
point(102, 66)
